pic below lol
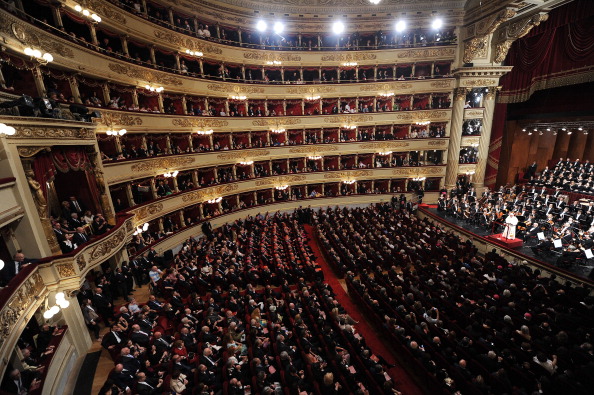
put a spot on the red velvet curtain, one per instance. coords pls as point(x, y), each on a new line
point(562, 45)
point(44, 170)
point(497, 128)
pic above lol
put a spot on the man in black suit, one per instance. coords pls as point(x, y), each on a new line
point(103, 305)
point(113, 340)
point(80, 237)
point(122, 379)
point(139, 337)
point(148, 386)
point(13, 268)
point(18, 382)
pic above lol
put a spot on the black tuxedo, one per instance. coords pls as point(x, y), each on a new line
point(110, 339)
point(80, 238)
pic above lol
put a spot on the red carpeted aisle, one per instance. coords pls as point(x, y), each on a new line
point(403, 381)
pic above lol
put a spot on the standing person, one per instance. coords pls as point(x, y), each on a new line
point(510, 226)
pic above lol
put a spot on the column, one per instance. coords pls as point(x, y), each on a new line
point(243, 73)
point(250, 139)
point(216, 174)
point(201, 211)
point(154, 189)
point(301, 70)
point(160, 224)
point(168, 143)
point(124, 40)
point(175, 186)
point(77, 329)
point(57, 17)
point(375, 72)
point(74, 89)
point(39, 84)
point(170, 12)
point(182, 219)
point(177, 62)
point(152, 51)
point(94, 39)
point(201, 68)
point(282, 74)
point(184, 102)
point(130, 195)
point(160, 101)
point(455, 137)
point(195, 178)
point(135, 98)
point(106, 95)
point(485, 139)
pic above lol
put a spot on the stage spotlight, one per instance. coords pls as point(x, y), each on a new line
point(400, 26)
point(279, 27)
point(261, 26)
point(338, 27)
point(437, 23)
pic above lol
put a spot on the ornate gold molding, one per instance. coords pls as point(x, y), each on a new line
point(509, 33)
point(438, 143)
point(479, 82)
point(105, 247)
point(28, 37)
point(475, 48)
point(311, 150)
point(276, 121)
point(186, 42)
point(162, 163)
point(427, 53)
point(118, 118)
point(155, 77)
point(199, 123)
point(208, 193)
point(311, 89)
point(348, 119)
point(271, 56)
point(65, 270)
point(421, 115)
point(388, 86)
point(348, 57)
point(460, 94)
point(384, 145)
point(226, 88)
point(146, 211)
point(281, 180)
point(447, 83)
point(34, 132)
point(106, 11)
point(243, 154)
point(349, 174)
point(468, 114)
point(479, 33)
point(414, 171)
point(28, 152)
point(81, 263)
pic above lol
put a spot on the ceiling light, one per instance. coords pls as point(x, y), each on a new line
point(279, 27)
point(437, 23)
point(400, 26)
point(261, 26)
point(338, 27)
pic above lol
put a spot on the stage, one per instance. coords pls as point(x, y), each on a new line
point(509, 243)
point(583, 271)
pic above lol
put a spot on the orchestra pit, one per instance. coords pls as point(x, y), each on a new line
point(300, 197)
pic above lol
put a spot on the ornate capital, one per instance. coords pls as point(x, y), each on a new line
point(509, 33)
point(460, 94)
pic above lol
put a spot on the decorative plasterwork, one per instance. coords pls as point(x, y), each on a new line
point(469, 141)
point(30, 151)
point(311, 89)
point(442, 83)
point(199, 123)
point(23, 33)
point(281, 180)
point(422, 171)
point(471, 114)
point(479, 83)
point(227, 88)
point(437, 143)
point(186, 42)
point(388, 86)
point(507, 34)
point(141, 74)
point(107, 246)
point(384, 145)
point(422, 115)
point(27, 132)
point(243, 154)
point(119, 119)
point(276, 122)
point(348, 57)
point(427, 53)
point(478, 34)
point(208, 193)
point(348, 119)
point(146, 211)
point(271, 56)
point(349, 174)
point(162, 164)
point(312, 150)
point(65, 270)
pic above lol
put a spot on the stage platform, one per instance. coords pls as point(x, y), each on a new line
point(509, 243)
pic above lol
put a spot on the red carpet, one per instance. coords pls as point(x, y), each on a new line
point(403, 382)
point(509, 243)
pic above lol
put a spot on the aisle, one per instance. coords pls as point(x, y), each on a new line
point(403, 381)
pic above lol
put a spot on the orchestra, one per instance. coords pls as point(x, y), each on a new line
point(542, 217)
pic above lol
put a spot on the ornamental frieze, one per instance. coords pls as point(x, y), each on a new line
point(103, 249)
point(441, 83)
point(349, 174)
point(480, 82)
point(384, 145)
point(349, 57)
point(187, 42)
point(26, 132)
point(311, 89)
point(420, 115)
point(243, 154)
point(392, 86)
point(276, 122)
point(145, 75)
point(427, 53)
point(234, 88)
point(312, 150)
point(469, 141)
point(65, 270)
point(81, 263)
point(415, 171)
point(116, 118)
point(270, 57)
point(282, 180)
point(209, 193)
point(439, 143)
point(28, 37)
point(199, 123)
point(106, 11)
point(146, 211)
point(473, 113)
point(348, 119)
point(162, 163)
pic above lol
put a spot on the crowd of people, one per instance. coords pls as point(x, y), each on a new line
point(474, 324)
point(548, 220)
point(243, 309)
point(568, 175)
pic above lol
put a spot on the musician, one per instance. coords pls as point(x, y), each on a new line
point(570, 255)
point(550, 210)
point(543, 246)
point(510, 230)
point(579, 217)
point(532, 231)
point(441, 203)
point(564, 214)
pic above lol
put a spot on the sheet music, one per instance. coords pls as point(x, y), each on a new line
point(589, 254)
point(558, 243)
point(540, 235)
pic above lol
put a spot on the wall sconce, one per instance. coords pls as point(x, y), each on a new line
point(36, 54)
point(216, 200)
point(314, 157)
point(120, 132)
point(169, 175)
point(282, 187)
point(140, 229)
point(204, 132)
point(274, 62)
point(349, 127)
point(278, 130)
point(61, 303)
point(89, 14)
point(419, 179)
point(385, 153)
point(389, 94)
point(239, 97)
point(423, 123)
point(194, 53)
point(349, 64)
point(312, 98)
point(247, 163)
point(151, 88)
point(349, 182)
point(6, 130)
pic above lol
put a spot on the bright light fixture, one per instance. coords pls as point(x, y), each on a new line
point(60, 296)
point(48, 314)
point(78, 8)
point(63, 303)
point(7, 130)
point(279, 27)
point(1, 264)
point(400, 26)
point(48, 57)
point(261, 26)
point(437, 23)
point(376, 2)
point(338, 27)
point(86, 12)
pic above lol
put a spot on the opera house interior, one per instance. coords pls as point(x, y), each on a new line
point(296, 197)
